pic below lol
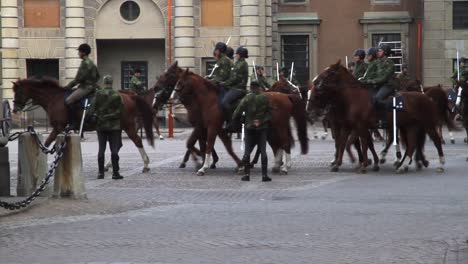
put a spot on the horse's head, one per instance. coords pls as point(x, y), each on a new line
point(165, 84)
point(21, 95)
point(327, 84)
point(183, 89)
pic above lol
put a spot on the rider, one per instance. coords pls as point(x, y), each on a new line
point(86, 77)
point(257, 122)
point(284, 75)
point(230, 53)
point(236, 84)
point(403, 75)
point(260, 77)
point(360, 66)
point(382, 79)
point(136, 84)
point(223, 65)
point(107, 107)
point(463, 72)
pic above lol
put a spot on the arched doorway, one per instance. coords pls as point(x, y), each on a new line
point(130, 35)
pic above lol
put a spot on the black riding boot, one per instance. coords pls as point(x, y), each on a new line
point(101, 168)
point(115, 168)
point(246, 176)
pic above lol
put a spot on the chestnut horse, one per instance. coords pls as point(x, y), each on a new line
point(48, 94)
point(163, 88)
point(200, 97)
point(337, 87)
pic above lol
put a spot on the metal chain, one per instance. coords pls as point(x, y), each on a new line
point(33, 132)
point(45, 181)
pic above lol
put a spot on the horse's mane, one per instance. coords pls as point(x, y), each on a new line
point(206, 82)
point(42, 83)
point(352, 81)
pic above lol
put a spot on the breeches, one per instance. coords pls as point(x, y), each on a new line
point(383, 93)
point(76, 95)
point(255, 137)
point(230, 98)
point(114, 137)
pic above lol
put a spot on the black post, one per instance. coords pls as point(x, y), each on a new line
point(4, 172)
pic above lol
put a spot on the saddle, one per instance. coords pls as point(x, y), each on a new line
point(77, 108)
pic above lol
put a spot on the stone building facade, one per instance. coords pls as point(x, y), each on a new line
point(41, 36)
point(445, 31)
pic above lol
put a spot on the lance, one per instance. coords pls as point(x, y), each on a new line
point(346, 61)
point(277, 71)
point(458, 101)
point(255, 70)
point(243, 133)
point(297, 88)
point(292, 70)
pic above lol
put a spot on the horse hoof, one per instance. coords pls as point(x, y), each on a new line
point(252, 165)
point(106, 169)
point(363, 170)
point(400, 170)
point(275, 169)
point(283, 172)
point(335, 169)
point(396, 163)
point(419, 166)
point(200, 173)
point(145, 170)
point(182, 165)
point(425, 163)
point(382, 161)
point(440, 169)
point(324, 137)
point(332, 163)
point(452, 141)
point(161, 138)
point(369, 162)
point(315, 136)
point(375, 168)
point(213, 166)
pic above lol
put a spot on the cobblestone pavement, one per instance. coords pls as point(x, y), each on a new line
point(309, 216)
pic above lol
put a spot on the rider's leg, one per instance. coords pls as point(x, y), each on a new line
point(102, 139)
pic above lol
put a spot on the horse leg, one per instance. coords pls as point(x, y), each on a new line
point(374, 153)
point(353, 140)
point(384, 152)
point(156, 125)
point(438, 144)
point(342, 139)
point(278, 159)
point(215, 159)
point(325, 130)
point(133, 135)
point(411, 142)
point(363, 135)
point(53, 135)
point(335, 136)
point(228, 144)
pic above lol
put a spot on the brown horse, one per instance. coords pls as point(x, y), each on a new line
point(149, 99)
point(163, 88)
point(337, 87)
point(48, 94)
point(200, 97)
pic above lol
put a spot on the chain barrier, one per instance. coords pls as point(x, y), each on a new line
point(45, 181)
point(33, 132)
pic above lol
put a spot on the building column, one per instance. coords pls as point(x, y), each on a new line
point(184, 34)
point(268, 38)
point(10, 46)
point(74, 36)
point(250, 29)
point(275, 38)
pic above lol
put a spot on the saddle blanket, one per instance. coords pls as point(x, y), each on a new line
point(452, 96)
point(400, 104)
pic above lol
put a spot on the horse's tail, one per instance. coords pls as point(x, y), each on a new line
point(440, 98)
point(300, 118)
point(146, 112)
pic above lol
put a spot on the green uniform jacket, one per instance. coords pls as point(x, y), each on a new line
point(262, 80)
point(223, 71)
point(107, 106)
point(360, 69)
point(403, 76)
point(463, 75)
point(137, 86)
point(384, 74)
point(87, 76)
point(256, 107)
point(239, 76)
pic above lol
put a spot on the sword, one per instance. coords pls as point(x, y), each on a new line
point(290, 83)
point(212, 71)
point(83, 117)
point(277, 71)
point(255, 70)
point(292, 70)
point(243, 134)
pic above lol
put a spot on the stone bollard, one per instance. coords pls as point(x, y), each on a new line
point(69, 178)
point(4, 172)
point(32, 166)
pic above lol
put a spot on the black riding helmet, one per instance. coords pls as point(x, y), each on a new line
point(372, 51)
point(85, 48)
point(243, 52)
point(221, 46)
point(230, 53)
point(284, 70)
point(386, 49)
point(360, 52)
point(462, 59)
point(254, 85)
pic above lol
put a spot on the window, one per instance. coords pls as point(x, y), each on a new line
point(217, 13)
point(130, 11)
point(460, 15)
point(209, 64)
point(42, 68)
point(385, 2)
point(42, 13)
point(295, 48)
point(128, 68)
point(394, 41)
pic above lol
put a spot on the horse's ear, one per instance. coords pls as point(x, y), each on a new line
point(187, 70)
point(338, 63)
point(175, 64)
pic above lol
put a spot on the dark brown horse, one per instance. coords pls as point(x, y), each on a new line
point(163, 88)
point(337, 87)
point(200, 97)
point(48, 94)
point(149, 99)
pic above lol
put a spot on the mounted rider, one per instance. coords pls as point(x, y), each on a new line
point(136, 85)
point(86, 78)
point(236, 85)
point(230, 53)
point(463, 72)
point(259, 76)
point(360, 66)
point(284, 74)
point(223, 65)
point(404, 75)
point(381, 80)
